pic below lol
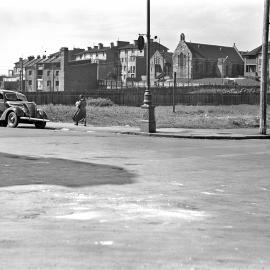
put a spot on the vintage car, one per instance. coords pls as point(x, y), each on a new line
point(15, 109)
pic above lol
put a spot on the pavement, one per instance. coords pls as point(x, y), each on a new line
point(188, 133)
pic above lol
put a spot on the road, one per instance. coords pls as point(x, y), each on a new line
point(98, 200)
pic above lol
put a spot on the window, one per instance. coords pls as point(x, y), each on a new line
point(57, 73)
point(181, 60)
point(48, 83)
point(30, 72)
point(56, 83)
point(30, 82)
point(48, 73)
point(125, 68)
point(1, 96)
point(40, 72)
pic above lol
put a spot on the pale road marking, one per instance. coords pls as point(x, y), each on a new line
point(104, 243)
point(130, 214)
point(81, 216)
point(208, 193)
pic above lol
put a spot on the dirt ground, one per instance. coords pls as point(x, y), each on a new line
point(97, 200)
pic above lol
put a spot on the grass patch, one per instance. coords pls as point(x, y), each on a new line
point(236, 116)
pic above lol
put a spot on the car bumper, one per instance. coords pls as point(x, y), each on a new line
point(34, 119)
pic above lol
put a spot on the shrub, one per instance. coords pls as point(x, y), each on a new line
point(99, 102)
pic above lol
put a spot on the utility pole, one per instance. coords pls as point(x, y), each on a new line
point(174, 86)
point(264, 70)
point(21, 74)
point(148, 123)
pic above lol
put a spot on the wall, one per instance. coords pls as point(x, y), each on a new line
point(80, 76)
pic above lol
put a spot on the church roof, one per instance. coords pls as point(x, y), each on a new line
point(216, 52)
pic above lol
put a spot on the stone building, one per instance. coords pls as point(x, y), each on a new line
point(196, 60)
point(161, 66)
point(60, 72)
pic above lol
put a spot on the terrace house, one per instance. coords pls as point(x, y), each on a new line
point(253, 62)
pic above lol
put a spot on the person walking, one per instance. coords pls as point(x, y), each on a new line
point(80, 114)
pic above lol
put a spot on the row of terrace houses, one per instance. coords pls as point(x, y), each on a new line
point(81, 69)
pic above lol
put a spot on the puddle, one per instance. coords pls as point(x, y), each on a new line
point(31, 170)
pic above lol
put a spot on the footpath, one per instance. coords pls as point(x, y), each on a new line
point(188, 133)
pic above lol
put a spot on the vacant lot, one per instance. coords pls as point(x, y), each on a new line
point(185, 116)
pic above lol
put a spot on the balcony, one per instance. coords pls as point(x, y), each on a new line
point(251, 61)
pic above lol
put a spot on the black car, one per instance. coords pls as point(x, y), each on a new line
point(15, 109)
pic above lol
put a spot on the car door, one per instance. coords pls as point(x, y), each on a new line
point(2, 104)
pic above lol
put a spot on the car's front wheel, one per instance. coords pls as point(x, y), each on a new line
point(3, 123)
point(40, 125)
point(12, 120)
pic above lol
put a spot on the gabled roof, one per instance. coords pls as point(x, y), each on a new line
point(167, 56)
point(256, 50)
point(208, 51)
point(33, 62)
point(152, 44)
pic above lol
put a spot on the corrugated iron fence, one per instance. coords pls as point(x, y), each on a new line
point(134, 97)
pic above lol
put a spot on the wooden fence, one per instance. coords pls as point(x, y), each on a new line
point(134, 97)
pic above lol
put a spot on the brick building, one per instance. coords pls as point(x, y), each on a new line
point(60, 72)
point(196, 60)
point(106, 58)
point(133, 61)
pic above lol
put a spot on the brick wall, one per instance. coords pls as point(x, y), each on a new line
point(80, 77)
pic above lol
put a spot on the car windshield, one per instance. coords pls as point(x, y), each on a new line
point(15, 97)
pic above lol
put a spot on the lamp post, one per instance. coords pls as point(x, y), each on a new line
point(148, 124)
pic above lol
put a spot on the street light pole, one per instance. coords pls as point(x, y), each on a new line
point(264, 71)
point(148, 124)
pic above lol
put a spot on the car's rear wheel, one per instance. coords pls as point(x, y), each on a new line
point(40, 125)
point(12, 120)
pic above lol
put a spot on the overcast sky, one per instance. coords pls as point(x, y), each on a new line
point(32, 27)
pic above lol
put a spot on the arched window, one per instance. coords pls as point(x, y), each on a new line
point(181, 60)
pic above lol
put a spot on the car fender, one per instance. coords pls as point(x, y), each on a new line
point(42, 114)
point(19, 112)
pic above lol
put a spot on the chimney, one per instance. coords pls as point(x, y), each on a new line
point(64, 57)
point(31, 58)
point(89, 48)
point(136, 42)
point(95, 47)
point(38, 57)
point(100, 46)
point(112, 45)
point(44, 56)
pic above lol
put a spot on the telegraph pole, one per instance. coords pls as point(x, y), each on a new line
point(264, 70)
point(148, 123)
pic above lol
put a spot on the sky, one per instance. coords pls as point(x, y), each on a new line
point(32, 27)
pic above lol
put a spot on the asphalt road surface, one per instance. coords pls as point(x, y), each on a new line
point(97, 200)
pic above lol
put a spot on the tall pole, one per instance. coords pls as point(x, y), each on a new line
point(149, 123)
point(147, 94)
point(264, 72)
